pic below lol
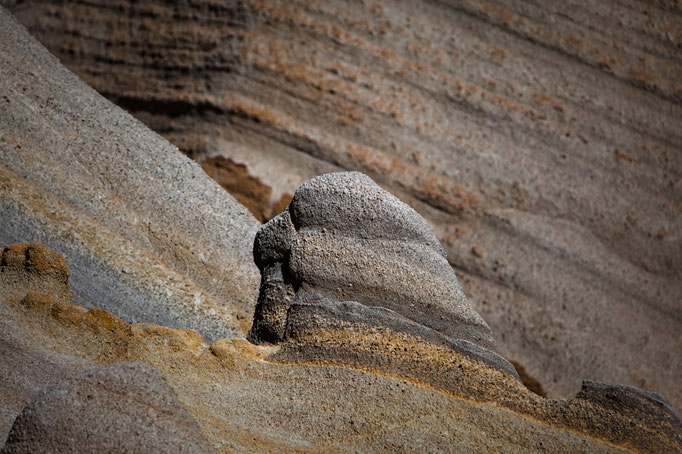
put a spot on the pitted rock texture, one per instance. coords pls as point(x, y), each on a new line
point(147, 234)
point(650, 407)
point(28, 270)
point(122, 407)
point(346, 250)
point(245, 400)
point(540, 140)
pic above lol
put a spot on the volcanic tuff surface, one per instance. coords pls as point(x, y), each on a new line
point(147, 234)
point(339, 384)
point(346, 254)
point(541, 141)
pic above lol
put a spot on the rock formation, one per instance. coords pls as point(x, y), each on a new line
point(344, 385)
point(100, 203)
point(147, 234)
point(351, 275)
point(122, 407)
point(540, 140)
point(346, 252)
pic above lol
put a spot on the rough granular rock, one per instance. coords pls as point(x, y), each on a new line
point(350, 250)
point(145, 231)
point(122, 407)
point(33, 267)
point(637, 403)
point(541, 141)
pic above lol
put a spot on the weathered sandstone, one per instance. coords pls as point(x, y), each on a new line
point(121, 407)
point(541, 141)
point(147, 234)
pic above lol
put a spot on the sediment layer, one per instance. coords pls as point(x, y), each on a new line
point(540, 140)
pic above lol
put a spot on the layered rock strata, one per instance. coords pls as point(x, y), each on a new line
point(245, 400)
point(347, 253)
point(351, 275)
point(122, 407)
point(540, 140)
point(147, 234)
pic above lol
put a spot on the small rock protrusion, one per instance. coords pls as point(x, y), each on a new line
point(33, 267)
point(639, 403)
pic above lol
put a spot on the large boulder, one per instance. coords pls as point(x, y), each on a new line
point(349, 251)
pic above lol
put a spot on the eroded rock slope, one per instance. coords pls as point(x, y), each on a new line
point(246, 399)
point(147, 234)
point(541, 140)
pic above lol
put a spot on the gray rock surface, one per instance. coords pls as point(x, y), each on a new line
point(649, 407)
point(123, 407)
point(146, 233)
point(26, 368)
point(347, 250)
point(541, 140)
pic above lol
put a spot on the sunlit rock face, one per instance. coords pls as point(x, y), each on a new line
point(346, 251)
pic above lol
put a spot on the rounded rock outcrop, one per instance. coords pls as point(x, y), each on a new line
point(345, 240)
point(33, 267)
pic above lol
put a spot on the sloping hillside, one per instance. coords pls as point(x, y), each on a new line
point(145, 232)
